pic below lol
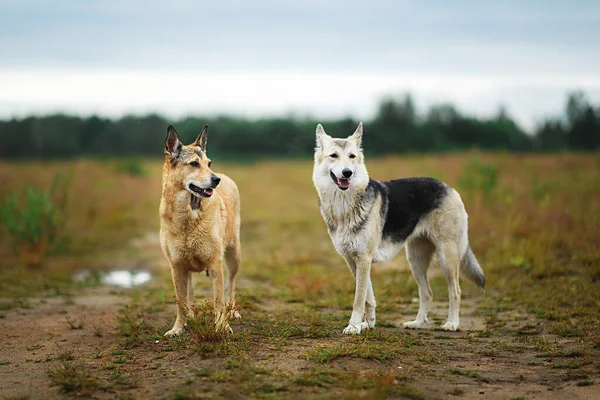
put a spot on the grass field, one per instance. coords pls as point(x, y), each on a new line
point(533, 333)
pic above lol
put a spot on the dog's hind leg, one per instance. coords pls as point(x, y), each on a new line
point(418, 253)
point(370, 304)
point(180, 281)
point(233, 258)
point(448, 254)
point(216, 274)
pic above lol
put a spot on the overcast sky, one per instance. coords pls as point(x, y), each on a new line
point(306, 57)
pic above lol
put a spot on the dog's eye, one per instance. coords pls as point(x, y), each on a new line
point(334, 155)
point(195, 164)
point(209, 163)
point(352, 156)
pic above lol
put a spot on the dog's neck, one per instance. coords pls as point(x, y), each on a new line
point(339, 208)
point(180, 205)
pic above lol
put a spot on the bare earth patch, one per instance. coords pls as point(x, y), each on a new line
point(506, 356)
point(534, 333)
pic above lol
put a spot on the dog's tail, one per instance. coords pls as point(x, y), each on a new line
point(470, 266)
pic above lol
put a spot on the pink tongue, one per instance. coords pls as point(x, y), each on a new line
point(343, 183)
point(208, 191)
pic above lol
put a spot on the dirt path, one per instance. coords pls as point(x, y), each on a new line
point(480, 364)
point(34, 340)
point(106, 343)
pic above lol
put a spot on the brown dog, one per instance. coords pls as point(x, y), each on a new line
point(199, 224)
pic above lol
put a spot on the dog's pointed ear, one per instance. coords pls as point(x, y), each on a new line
point(321, 136)
point(172, 143)
point(357, 135)
point(202, 139)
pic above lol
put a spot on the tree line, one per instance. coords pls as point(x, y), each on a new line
point(396, 128)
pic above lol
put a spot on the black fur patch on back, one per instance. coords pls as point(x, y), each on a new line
point(405, 202)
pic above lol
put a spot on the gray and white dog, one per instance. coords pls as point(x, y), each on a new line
point(369, 221)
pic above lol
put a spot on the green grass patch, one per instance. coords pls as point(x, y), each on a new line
point(132, 327)
point(585, 383)
point(367, 351)
point(470, 374)
point(72, 378)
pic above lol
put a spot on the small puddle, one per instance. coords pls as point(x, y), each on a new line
point(126, 278)
point(121, 278)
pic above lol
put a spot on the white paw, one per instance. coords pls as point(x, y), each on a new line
point(416, 324)
point(235, 314)
point(176, 331)
point(450, 326)
point(351, 330)
point(367, 325)
point(370, 318)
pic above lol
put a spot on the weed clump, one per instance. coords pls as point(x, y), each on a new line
point(203, 327)
point(72, 378)
point(36, 228)
point(210, 334)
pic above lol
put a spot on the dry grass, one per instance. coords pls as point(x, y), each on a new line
point(202, 326)
point(535, 230)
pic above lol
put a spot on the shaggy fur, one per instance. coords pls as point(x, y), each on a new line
point(199, 225)
point(370, 221)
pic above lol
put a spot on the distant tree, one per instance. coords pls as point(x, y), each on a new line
point(91, 133)
point(12, 141)
point(442, 114)
point(509, 135)
point(395, 128)
point(577, 105)
point(583, 121)
point(585, 131)
point(551, 136)
point(393, 125)
point(397, 111)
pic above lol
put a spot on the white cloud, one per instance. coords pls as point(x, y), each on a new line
point(116, 92)
point(327, 58)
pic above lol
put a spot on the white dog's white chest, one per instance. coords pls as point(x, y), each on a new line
point(386, 250)
point(346, 243)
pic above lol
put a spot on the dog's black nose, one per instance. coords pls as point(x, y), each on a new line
point(347, 173)
point(215, 180)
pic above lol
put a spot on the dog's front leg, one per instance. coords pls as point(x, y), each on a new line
point(370, 304)
point(180, 281)
point(216, 274)
point(363, 270)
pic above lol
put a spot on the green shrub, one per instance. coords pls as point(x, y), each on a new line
point(132, 167)
point(479, 177)
point(36, 226)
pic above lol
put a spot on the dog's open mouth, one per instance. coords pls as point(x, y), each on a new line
point(341, 183)
point(199, 191)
